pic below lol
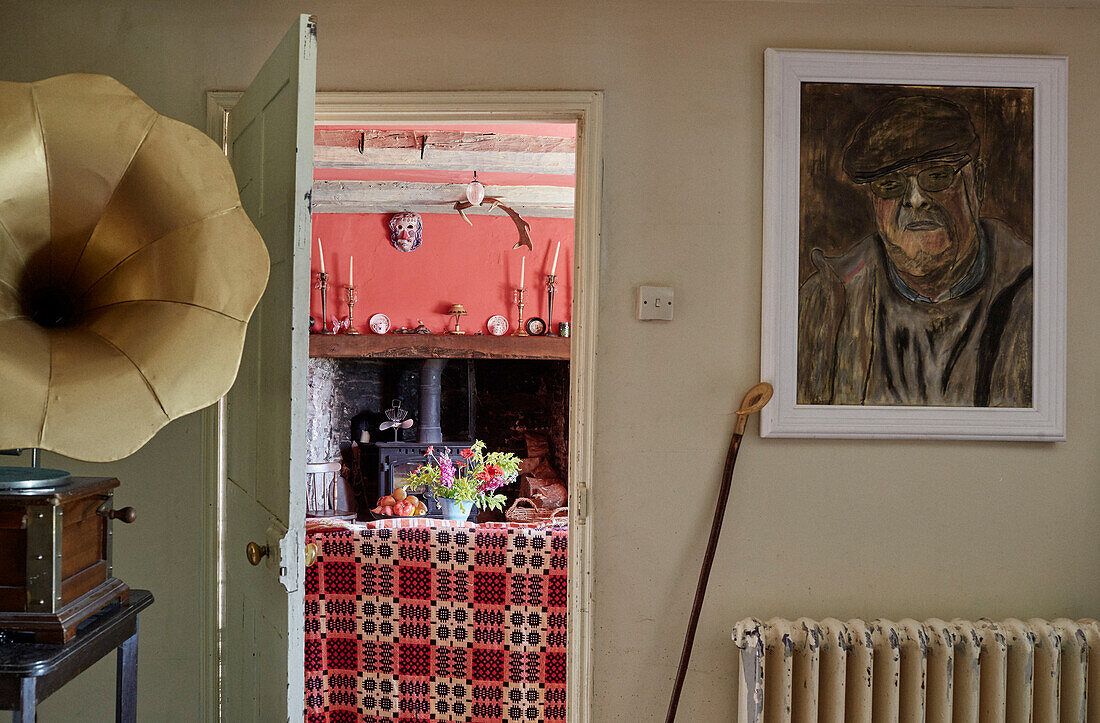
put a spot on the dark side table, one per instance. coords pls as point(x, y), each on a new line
point(29, 672)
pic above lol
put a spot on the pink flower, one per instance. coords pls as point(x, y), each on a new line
point(430, 450)
point(446, 472)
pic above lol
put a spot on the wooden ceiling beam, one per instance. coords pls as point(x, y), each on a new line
point(395, 196)
point(443, 140)
point(443, 151)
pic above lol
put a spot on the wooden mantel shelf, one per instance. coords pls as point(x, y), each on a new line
point(437, 346)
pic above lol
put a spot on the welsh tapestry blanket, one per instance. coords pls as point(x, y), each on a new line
point(464, 624)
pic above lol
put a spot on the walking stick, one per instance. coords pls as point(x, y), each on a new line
point(754, 401)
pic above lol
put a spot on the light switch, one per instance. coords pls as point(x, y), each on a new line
point(655, 302)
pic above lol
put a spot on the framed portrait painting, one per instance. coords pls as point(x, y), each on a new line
point(914, 245)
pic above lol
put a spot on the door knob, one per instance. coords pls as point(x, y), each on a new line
point(311, 554)
point(256, 553)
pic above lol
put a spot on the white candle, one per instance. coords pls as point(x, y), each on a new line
point(522, 270)
point(554, 266)
point(351, 273)
point(321, 254)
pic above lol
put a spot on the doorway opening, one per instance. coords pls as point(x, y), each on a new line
point(583, 111)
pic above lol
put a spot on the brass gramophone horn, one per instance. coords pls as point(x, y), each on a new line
point(128, 269)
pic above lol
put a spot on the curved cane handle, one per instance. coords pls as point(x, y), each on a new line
point(755, 400)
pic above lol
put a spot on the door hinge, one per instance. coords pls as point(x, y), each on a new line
point(582, 505)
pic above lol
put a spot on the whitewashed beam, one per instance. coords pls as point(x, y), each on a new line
point(448, 140)
point(443, 151)
point(443, 160)
point(395, 196)
point(482, 211)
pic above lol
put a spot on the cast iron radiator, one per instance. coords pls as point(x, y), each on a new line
point(828, 670)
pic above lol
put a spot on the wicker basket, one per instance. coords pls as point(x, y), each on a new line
point(526, 511)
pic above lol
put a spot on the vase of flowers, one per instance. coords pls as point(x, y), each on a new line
point(454, 509)
point(470, 478)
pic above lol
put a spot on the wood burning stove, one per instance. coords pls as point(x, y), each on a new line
point(397, 460)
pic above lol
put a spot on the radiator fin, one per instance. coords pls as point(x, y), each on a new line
point(805, 671)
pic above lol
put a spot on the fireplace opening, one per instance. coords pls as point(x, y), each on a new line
point(505, 403)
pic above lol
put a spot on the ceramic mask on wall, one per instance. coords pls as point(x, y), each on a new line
point(405, 231)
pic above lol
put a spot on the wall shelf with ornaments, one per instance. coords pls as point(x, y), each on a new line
point(437, 346)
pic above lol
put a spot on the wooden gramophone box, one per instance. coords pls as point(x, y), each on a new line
point(55, 555)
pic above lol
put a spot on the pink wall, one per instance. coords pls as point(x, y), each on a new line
point(457, 263)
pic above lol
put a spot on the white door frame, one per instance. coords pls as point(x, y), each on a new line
point(585, 108)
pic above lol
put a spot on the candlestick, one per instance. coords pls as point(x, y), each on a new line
point(322, 284)
point(350, 289)
point(321, 254)
point(554, 266)
point(518, 295)
point(550, 286)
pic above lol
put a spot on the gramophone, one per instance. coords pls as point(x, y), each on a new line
point(128, 273)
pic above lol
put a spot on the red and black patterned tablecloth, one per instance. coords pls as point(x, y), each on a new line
point(436, 624)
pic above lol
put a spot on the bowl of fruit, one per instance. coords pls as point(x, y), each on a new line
point(400, 503)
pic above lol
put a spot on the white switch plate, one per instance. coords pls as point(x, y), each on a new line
point(655, 302)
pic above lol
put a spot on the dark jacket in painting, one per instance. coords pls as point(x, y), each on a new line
point(865, 338)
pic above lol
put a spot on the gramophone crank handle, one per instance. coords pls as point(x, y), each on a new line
point(126, 514)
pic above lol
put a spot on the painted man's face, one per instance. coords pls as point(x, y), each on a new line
point(927, 215)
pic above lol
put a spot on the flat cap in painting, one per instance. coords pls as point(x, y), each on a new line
point(909, 130)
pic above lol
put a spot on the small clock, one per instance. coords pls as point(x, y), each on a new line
point(380, 323)
point(536, 326)
point(497, 325)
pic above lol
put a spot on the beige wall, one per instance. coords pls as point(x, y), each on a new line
point(815, 528)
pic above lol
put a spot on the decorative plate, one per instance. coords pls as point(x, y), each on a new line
point(536, 326)
point(380, 323)
point(497, 325)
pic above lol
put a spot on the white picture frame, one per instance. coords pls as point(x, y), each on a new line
point(786, 72)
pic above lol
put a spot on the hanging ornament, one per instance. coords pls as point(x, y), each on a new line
point(475, 192)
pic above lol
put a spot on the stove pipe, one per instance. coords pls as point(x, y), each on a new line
point(431, 373)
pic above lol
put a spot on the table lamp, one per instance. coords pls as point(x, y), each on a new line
point(457, 311)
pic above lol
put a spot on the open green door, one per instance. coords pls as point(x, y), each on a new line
point(270, 145)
